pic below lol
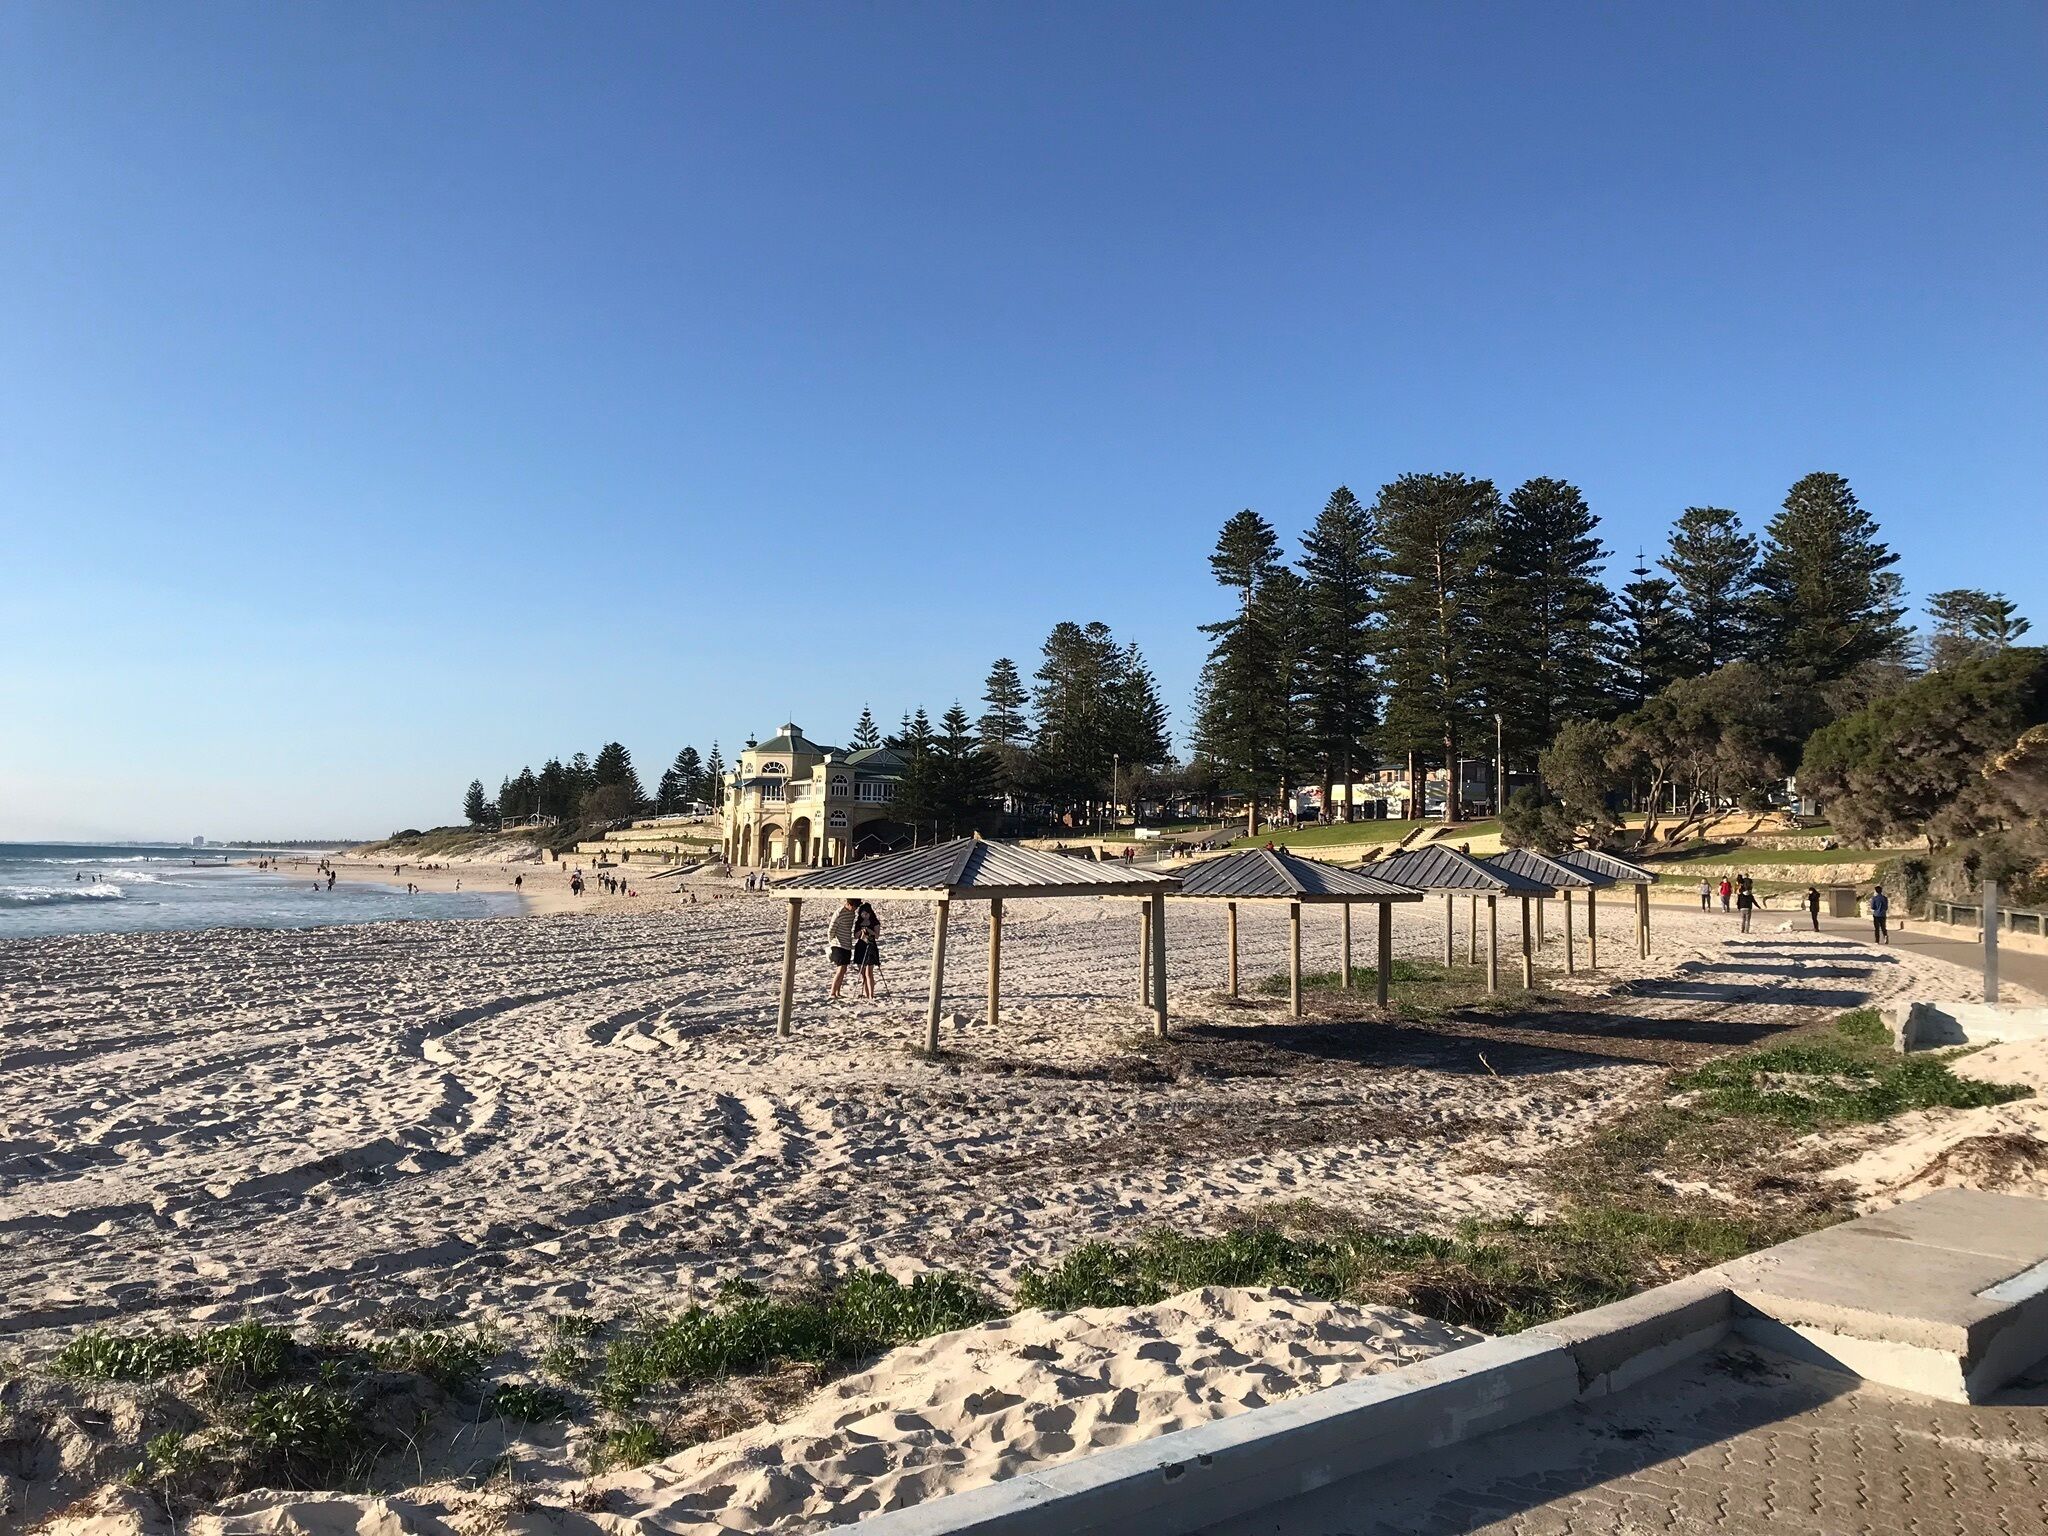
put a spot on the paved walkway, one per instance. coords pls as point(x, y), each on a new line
point(1736, 1443)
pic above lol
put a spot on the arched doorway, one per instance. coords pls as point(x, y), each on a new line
point(743, 852)
point(769, 845)
point(800, 841)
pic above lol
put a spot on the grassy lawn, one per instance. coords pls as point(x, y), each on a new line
point(1419, 989)
point(1738, 856)
point(1346, 834)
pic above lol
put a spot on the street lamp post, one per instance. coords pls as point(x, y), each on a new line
point(1500, 771)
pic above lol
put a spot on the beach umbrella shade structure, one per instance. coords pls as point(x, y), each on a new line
point(1259, 874)
point(1562, 880)
point(1451, 874)
point(1616, 871)
point(969, 869)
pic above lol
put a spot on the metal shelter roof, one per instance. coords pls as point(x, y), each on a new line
point(971, 868)
point(1431, 868)
point(1532, 865)
point(1258, 873)
point(1606, 867)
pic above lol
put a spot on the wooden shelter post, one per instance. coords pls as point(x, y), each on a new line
point(1386, 952)
point(1492, 944)
point(1294, 957)
point(796, 907)
point(1145, 951)
point(1230, 944)
point(995, 958)
point(1528, 954)
point(1643, 920)
point(1592, 930)
point(1472, 934)
point(1542, 902)
point(1571, 959)
point(1346, 946)
point(1157, 903)
point(931, 1013)
point(1450, 931)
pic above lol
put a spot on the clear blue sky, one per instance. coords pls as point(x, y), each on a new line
point(391, 394)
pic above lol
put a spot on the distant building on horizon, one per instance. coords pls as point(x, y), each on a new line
point(198, 842)
point(793, 804)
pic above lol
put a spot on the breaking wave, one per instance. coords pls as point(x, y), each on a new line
point(44, 896)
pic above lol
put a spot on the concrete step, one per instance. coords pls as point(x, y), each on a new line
point(1946, 1296)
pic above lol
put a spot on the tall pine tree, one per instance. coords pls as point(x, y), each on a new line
point(1713, 571)
point(1970, 624)
point(1826, 603)
point(1647, 648)
point(1243, 716)
point(1437, 533)
point(1546, 618)
point(1003, 699)
point(865, 733)
point(1340, 687)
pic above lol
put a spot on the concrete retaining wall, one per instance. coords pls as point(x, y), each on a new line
point(1181, 1482)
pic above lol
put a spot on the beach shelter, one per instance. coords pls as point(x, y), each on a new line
point(1615, 871)
point(1259, 874)
point(968, 869)
point(1452, 874)
point(1563, 880)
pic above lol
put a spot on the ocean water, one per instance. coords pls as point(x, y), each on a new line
point(50, 888)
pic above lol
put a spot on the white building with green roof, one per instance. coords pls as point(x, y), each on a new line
point(793, 804)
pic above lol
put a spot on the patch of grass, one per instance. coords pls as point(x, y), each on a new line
point(631, 1445)
point(1500, 1277)
point(865, 1313)
point(1418, 989)
point(247, 1354)
point(530, 1404)
point(312, 1435)
point(171, 1458)
point(452, 1360)
point(1849, 1075)
point(576, 1325)
point(566, 1362)
point(148, 1355)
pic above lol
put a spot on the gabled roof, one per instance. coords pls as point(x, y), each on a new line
point(1259, 872)
point(1609, 869)
point(1434, 868)
point(880, 758)
point(967, 866)
point(1532, 865)
point(790, 739)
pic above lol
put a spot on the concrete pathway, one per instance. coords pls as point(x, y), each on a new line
point(1735, 1443)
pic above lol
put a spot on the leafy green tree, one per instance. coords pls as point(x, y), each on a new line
point(557, 797)
point(1713, 571)
point(920, 794)
point(1728, 736)
point(1437, 533)
point(613, 769)
point(1970, 623)
point(1825, 602)
point(962, 774)
point(1094, 701)
point(1003, 698)
point(865, 733)
point(1244, 704)
point(714, 776)
point(1646, 647)
point(689, 771)
point(579, 779)
point(1340, 684)
point(1584, 769)
point(1913, 763)
point(1547, 612)
point(476, 809)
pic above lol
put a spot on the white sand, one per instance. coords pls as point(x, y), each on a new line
point(498, 1120)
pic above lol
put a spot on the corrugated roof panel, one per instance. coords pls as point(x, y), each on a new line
point(1540, 867)
point(1607, 867)
point(1432, 868)
point(968, 863)
point(1256, 873)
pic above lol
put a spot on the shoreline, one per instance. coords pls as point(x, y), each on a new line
point(545, 888)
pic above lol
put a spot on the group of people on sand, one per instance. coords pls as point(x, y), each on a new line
point(855, 939)
point(1746, 898)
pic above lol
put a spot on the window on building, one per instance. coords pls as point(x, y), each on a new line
point(877, 791)
point(771, 793)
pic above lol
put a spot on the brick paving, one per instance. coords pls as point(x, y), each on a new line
point(1737, 1444)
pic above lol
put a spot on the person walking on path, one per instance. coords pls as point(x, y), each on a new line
point(1706, 895)
point(1813, 906)
point(840, 937)
point(1727, 891)
point(1880, 908)
point(1745, 902)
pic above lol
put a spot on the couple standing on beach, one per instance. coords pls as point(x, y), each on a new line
point(856, 940)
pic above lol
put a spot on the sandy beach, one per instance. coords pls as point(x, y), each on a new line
point(497, 1121)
